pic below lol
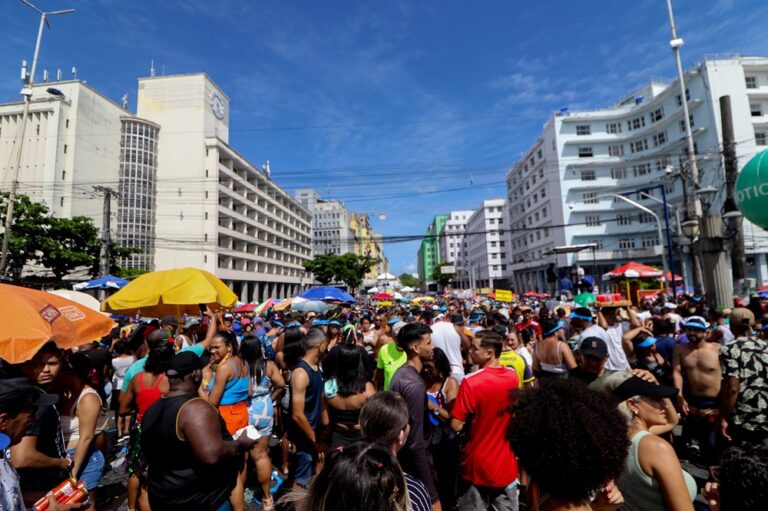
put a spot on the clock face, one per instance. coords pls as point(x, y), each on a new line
point(217, 105)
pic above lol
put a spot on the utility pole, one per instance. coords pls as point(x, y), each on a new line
point(731, 164)
point(693, 207)
point(28, 80)
point(106, 238)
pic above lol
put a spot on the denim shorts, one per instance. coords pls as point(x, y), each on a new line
point(93, 470)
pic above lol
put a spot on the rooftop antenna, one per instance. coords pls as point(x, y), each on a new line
point(45, 75)
point(58, 75)
point(125, 101)
point(267, 170)
point(152, 68)
point(74, 72)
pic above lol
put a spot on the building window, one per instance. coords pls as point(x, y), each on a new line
point(687, 97)
point(759, 138)
point(751, 82)
point(65, 148)
point(592, 220)
point(618, 173)
point(64, 173)
point(583, 129)
point(756, 109)
point(636, 123)
point(598, 244)
point(638, 146)
point(657, 115)
point(641, 169)
point(649, 241)
point(66, 123)
point(588, 175)
point(585, 152)
point(669, 187)
point(616, 150)
point(613, 127)
point(624, 219)
point(690, 121)
point(626, 243)
point(660, 138)
point(645, 218)
point(539, 154)
point(61, 201)
point(588, 198)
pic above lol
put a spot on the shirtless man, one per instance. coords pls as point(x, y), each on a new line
point(697, 377)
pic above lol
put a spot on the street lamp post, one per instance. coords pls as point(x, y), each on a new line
point(679, 233)
point(659, 230)
point(27, 93)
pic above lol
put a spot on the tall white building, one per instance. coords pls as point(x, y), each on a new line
point(452, 236)
point(77, 139)
point(485, 243)
point(560, 193)
point(187, 198)
point(215, 209)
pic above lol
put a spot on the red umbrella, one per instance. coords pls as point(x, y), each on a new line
point(764, 287)
point(532, 294)
point(382, 297)
point(248, 307)
point(633, 270)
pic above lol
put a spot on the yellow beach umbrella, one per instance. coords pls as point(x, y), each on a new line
point(171, 292)
point(421, 299)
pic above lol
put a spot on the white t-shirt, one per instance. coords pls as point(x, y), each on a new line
point(728, 336)
point(445, 337)
point(617, 359)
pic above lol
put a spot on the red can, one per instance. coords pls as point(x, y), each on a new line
point(68, 491)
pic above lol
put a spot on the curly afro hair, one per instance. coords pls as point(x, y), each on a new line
point(569, 438)
point(744, 478)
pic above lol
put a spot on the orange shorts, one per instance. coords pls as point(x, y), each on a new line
point(235, 416)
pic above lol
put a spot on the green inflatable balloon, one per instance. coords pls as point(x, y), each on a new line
point(751, 190)
point(585, 299)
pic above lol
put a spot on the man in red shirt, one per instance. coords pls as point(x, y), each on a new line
point(488, 465)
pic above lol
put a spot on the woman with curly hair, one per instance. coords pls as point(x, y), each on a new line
point(572, 442)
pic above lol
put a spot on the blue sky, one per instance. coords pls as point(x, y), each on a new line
point(403, 108)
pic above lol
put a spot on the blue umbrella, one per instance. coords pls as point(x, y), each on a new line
point(310, 306)
point(327, 293)
point(108, 282)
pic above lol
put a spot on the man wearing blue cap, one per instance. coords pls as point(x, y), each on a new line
point(697, 377)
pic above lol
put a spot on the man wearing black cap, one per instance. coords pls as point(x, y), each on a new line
point(19, 400)
point(193, 461)
point(591, 359)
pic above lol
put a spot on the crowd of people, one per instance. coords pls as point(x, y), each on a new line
point(452, 404)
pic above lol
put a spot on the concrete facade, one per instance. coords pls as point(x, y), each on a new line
point(559, 193)
point(485, 243)
point(216, 210)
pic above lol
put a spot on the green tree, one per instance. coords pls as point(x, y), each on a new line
point(70, 244)
point(30, 227)
point(115, 253)
point(442, 278)
point(351, 268)
point(348, 268)
point(323, 267)
point(409, 280)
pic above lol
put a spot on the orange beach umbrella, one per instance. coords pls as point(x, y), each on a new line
point(34, 317)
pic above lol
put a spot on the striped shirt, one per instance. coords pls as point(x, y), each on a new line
point(418, 494)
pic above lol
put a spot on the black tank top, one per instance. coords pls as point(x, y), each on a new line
point(177, 479)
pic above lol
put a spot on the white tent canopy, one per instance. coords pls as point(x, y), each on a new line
point(373, 291)
point(386, 276)
point(407, 289)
